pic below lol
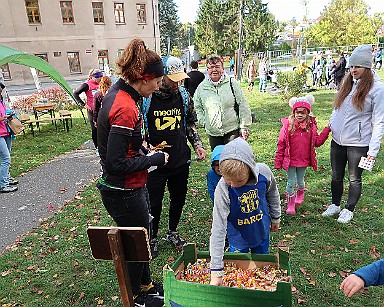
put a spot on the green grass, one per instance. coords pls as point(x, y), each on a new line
point(53, 266)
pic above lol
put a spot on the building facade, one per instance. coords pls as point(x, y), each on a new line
point(74, 36)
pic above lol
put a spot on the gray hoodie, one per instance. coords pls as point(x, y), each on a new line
point(350, 127)
point(239, 149)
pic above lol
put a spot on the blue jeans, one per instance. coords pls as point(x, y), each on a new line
point(130, 209)
point(262, 248)
point(263, 83)
point(5, 156)
point(340, 156)
point(295, 175)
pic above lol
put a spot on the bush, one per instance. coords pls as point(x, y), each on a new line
point(291, 83)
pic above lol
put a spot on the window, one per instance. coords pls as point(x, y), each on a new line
point(119, 13)
point(33, 12)
point(102, 58)
point(119, 52)
point(43, 56)
point(66, 11)
point(74, 62)
point(98, 16)
point(5, 72)
point(141, 15)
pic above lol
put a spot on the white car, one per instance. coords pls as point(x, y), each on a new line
point(285, 56)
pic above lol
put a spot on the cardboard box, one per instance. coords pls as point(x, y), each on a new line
point(188, 294)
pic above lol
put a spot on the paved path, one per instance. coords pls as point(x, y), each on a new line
point(45, 189)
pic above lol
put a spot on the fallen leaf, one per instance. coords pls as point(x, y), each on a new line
point(332, 274)
point(343, 274)
point(313, 251)
point(75, 263)
point(353, 241)
point(301, 301)
point(374, 253)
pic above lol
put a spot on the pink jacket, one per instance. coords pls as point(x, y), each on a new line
point(3, 126)
point(93, 88)
point(285, 142)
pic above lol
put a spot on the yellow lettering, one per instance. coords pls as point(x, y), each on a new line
point(252, 219)
point(239, 222)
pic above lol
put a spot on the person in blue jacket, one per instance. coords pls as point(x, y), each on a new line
point(214, 175)
point(370, 275)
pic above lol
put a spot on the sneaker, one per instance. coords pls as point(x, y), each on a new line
point(12, 181)
point(144, 300)
point(8, 189)
point(155, 289)
point(345, 216)
point(154, 247)
point(331, 210)
point(177, 240)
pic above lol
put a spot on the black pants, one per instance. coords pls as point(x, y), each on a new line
point(340, 156)
point(94, 129)
point(131, 209)
point(222, 140)
point(177, 183)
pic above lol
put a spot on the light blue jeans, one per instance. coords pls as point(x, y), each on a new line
point(263, 83)
point(295, 176)
point(5, 156)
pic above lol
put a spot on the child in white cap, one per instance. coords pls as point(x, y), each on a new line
point(296, 148)
point(357, 125)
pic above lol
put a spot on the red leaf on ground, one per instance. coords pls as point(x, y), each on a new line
point(353, 241)
point(374, 253)
point(301, 301)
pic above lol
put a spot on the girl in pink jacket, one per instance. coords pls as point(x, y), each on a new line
point(296, 147)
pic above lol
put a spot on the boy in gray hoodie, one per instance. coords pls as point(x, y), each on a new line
point(246, 207)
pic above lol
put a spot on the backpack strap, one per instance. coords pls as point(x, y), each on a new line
point(185, 96)
point(236, 105)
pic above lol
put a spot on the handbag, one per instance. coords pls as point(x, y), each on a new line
point(15, 125)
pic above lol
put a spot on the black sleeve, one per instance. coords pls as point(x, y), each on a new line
point(82, 89)
point(97, 105)
point(116, 161)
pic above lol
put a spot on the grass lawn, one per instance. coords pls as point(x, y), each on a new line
point(53, 265)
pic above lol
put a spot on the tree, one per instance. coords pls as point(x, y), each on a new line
point(217, 26)
point(343, 22)
point(169, 24)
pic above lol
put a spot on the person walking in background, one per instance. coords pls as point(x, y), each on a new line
point(7, 184)
point(231, 64)
point(296, 148)
point(370, 275)
point(170, 119)
point(90, 87)
point(214, 174)
point(123, 159)
point(339, 70)
point(357, 124)
point(251, 74)
point(104, 85)
point(195, 78)
point(246, 208)
point(377, 58)
point(221, 106)
point(263, 74)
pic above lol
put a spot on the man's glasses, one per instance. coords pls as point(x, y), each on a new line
point(217, 67)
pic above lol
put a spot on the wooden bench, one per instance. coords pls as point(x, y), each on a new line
point(66, 113)
point(64, 119)
point(23, 118)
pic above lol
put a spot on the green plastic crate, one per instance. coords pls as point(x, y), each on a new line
point(189, 294)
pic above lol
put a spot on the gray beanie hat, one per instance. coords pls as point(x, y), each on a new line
point(361, 56)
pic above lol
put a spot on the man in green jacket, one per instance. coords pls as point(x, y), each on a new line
point(221, 106)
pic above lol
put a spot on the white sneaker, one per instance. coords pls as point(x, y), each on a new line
point(331, 210)
point(345, 216)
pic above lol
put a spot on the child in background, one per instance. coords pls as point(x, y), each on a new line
point(296, 148)
point(214, 175)
point(370, 275)
point(246, 208)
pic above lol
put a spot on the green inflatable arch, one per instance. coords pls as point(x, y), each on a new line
point(9, 55)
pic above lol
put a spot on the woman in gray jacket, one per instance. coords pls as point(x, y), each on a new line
point(357, 125)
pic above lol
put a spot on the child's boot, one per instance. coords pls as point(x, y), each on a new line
point(290, 204)
point(299, 197)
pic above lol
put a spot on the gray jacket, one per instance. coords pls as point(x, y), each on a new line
point(239, 149)
point(350, 127)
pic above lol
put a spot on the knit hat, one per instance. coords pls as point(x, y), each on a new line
point(302, 102)
point(97, 73)
point(361, 56)
point(174, 68)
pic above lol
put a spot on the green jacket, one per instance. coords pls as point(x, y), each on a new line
point(214, 106)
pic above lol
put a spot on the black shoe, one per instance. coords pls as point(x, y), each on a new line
point(144, 300)
point(155, 290)
point(12, 181)
point(154, 247)
point(175, 238)
point(8, 189)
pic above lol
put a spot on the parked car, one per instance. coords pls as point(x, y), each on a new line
point(285, 56)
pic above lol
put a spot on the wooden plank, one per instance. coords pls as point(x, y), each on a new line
point(117, 250)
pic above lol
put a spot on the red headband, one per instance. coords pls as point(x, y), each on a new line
point(153, 70)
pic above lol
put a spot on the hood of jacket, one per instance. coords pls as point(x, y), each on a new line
point(239, 149)
point(215, 156)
